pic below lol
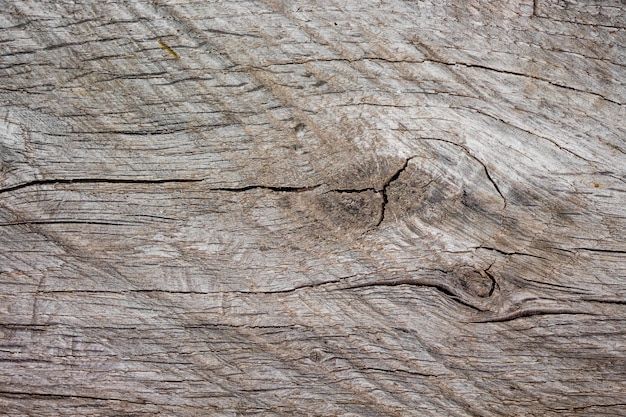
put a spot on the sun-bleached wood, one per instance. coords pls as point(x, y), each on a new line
point(326, 208)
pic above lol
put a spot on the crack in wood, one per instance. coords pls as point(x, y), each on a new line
point(59, 396)
point(442, 287)
point(615, 251)
point(508, 253)
point(35, 183)
point(604, 300)
point(282, 189)
point(494, 283)
point(383, 190)
point(93, 222)
point(526, 131)
point(534, 77)
point(471, 155)
point(530, 313)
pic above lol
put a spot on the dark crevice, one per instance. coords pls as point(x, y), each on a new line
point(509, 253)
point(353, 191)
point(494, 283)
point(604, 300)
point(529, 132)
point(493, 182)
point(569, 289)
point(520, 74)
point(383, 190)
point(287, 189)
point(471, 155)
point(294, 289)
point(155, 132)
point(95, 181)
point(441, 287)
point(69, 396)
point(594, 405)
point(404, 371)
point(121, 292)
point(324, 60)
point(573, 22)
point(222, 32)
point(94, 222)
point(531, 312)
point(161, 181)
point(620, 252)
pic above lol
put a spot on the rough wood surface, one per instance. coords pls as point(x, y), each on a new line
point(327, 208)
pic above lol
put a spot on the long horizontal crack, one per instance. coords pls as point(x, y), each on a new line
point(95, 181)
point(528, 132)
point(395, 370)
point(297, 288)
point(508, 253)
point(94, 222)
point(160, 181)
point(520, 74)
point(441, 287)
point(287, 189)
point(531, 312)
point(292, 189)
point(69, 396)
point(620, 252)
point(604, 300)
point(574, 22)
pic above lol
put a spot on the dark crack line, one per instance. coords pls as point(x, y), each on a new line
point(492, 181)
point(520, 74)
point(95, 181)
point(592, 405)
point(604, 300)
point(509, 253)
point(223, 32)
point(442, 288)
point(161, 181)
point(285, 189)
point(71, 396)
point(325, 60)
point(94, 222)
point(297, 288)
point(566, 288)
point(620, 252)
point(494, 283)
point(528, 131)
point(121, 292)
point(352, 190)
point(383, 191)
point(530, 313)
point(471, 155)
point(573, 22)
point(395, 370)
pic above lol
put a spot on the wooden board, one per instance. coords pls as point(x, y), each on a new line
point(328, 208)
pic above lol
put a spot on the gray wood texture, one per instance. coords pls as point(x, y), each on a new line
point(312, 208)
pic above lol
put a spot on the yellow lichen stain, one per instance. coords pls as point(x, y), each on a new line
point(168, 49)
point(596, 185)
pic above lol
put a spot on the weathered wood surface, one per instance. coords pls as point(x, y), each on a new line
point(329, 208)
